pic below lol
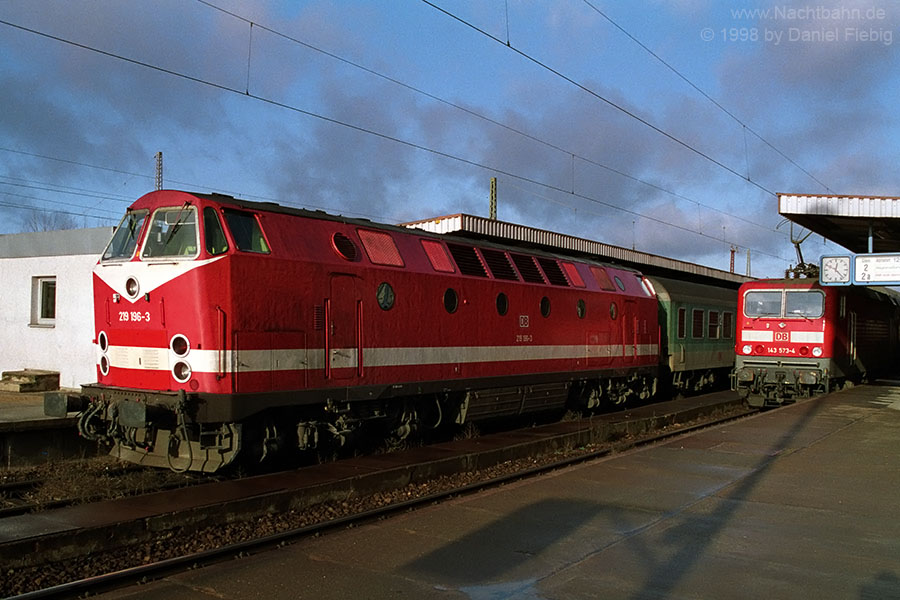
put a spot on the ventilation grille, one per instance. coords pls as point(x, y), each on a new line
point(553, 272)
point(603, 279)
point(499, 264)
point(574, 275)
point(467, 260)
point(438, 256)
point(380, 247)
point(528, 268)
point(345, 247)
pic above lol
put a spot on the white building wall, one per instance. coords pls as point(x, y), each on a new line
point(65, 346)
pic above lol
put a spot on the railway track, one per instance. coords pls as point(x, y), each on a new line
point(81, 482)
point(181, 548)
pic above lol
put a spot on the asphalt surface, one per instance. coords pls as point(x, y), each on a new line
point(796, 503)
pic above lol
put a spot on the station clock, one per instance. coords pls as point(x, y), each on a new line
point(835, 269)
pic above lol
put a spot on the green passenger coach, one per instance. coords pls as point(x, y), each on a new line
point(697, 333)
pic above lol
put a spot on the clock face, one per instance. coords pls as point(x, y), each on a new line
point(835, 269)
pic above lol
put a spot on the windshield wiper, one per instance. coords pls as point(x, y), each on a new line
point(177, 225)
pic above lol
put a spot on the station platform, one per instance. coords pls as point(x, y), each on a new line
point(799, 502)
point(22, 407)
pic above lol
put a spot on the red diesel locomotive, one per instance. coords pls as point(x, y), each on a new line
point(796, 338)
point(227, 328)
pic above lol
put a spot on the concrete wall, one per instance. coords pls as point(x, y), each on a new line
point(66, 346)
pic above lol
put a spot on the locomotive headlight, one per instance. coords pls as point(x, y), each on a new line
point(747, 349)
point(103, 341)
point(104, 365)
point(132, 287)
point(817, 352)
point(180, 345)
point(181, 371)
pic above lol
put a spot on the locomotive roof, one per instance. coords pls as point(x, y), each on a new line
point(522, 235)
point(537, 249)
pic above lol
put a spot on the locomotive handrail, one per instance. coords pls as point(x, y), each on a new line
point(223, 340)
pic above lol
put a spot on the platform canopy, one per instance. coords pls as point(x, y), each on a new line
point(847, 220)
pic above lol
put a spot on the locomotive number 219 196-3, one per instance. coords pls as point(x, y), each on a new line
point(135, 316)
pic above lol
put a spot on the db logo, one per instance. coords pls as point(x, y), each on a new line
point(782, 336)
point(523, 320)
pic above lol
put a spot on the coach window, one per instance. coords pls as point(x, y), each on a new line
point(451, 300)
point(245, 231)
point(212, 231)
point(682, 323)
point(502, 304)
point(712, 330)
point(727, 325)
point(43, 301)
point(545, 306)
point(697, 323)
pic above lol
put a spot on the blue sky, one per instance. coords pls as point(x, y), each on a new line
point(663, 125)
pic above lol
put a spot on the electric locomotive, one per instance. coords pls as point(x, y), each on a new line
point(228, 329)
point(796, 338)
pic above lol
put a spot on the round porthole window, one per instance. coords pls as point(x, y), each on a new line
point(545, 306)
point(619, 282)
point(613, 311)
point(385, 296)
point(502, 304)
point(344, 246)
point(451, 300)
point(580, 309)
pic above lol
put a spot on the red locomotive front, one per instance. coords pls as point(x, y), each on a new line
point(225, 326)
point(797, 338)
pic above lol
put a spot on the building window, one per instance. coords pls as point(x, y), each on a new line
point(43, 301)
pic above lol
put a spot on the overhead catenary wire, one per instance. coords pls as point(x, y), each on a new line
point(697, 88)
point(602, 98)
point(250, 94)
point(483, 117)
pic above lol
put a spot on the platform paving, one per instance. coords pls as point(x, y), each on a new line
point(796, 503)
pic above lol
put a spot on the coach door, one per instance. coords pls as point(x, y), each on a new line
point(343, 328)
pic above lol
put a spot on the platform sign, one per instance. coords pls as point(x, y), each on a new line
point(876, 269)
point(836, 270)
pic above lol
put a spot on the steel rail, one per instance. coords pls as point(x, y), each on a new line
point(159, 569)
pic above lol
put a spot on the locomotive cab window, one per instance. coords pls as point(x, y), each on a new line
point(245, 231)
point(809, 304)
point(172, 234)
point(125, 239)
point(762, 303)
point(213, 232)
